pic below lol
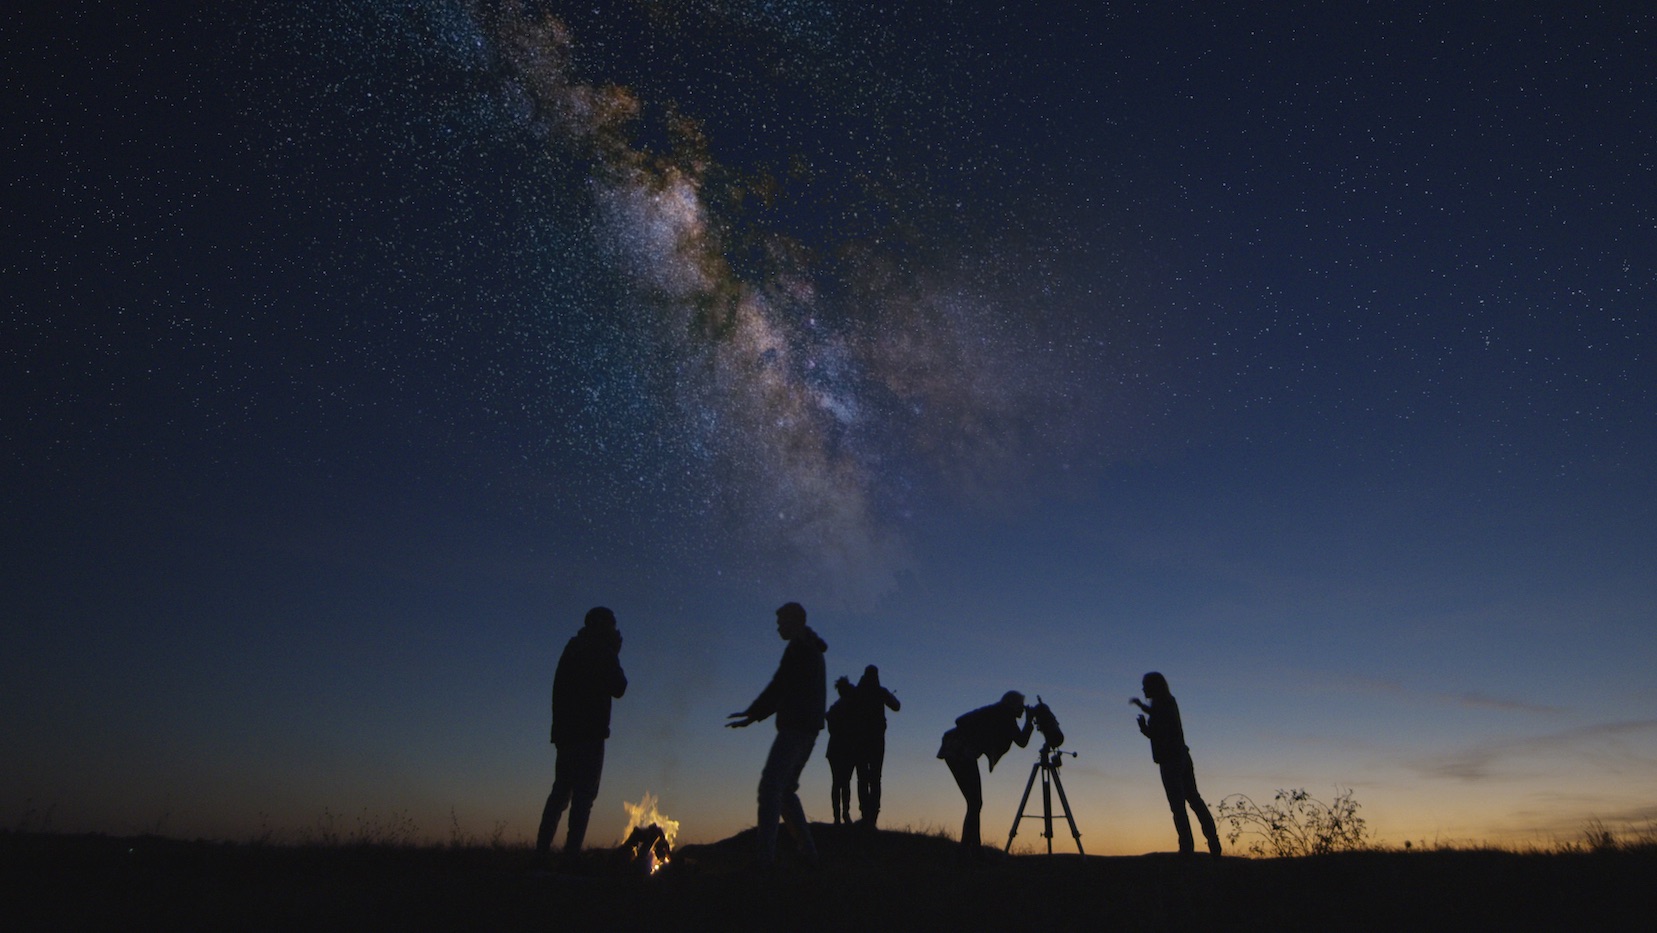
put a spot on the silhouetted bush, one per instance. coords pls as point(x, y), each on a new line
point(1296, 823)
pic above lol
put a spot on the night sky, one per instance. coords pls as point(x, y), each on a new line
point(351, 351)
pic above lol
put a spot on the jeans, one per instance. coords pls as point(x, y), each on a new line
point(574, 785)
point(840, 788)
point(972, 788)
point(779, 786)
point(1179, 782)
point(868, 782)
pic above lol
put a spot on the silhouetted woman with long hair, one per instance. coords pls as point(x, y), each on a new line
point(842, 751)
point(1161, 724)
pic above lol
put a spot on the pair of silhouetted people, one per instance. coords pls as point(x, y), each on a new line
point(1161, 724)
point(857, 744)
point(988, 731)
point(991, 730)
point(589, 676)
point(797, 694)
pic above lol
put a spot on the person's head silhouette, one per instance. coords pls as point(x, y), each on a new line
point(790, 620)
point(1155, 685)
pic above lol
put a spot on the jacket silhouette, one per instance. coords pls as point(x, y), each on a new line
point(798, 690)
point(588, 677)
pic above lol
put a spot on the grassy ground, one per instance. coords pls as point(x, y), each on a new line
point(897, 881)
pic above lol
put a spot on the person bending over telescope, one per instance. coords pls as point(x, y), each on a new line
point(988, 731)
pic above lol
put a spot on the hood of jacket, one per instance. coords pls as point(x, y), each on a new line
point(811, 639)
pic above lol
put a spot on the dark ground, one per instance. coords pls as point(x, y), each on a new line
point(898, 881)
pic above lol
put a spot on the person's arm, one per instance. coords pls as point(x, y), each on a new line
point(616, 678)
point(766, 703)
point(1023, 737)
point(891, 700)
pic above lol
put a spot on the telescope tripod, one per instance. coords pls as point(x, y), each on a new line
point(1047, 765)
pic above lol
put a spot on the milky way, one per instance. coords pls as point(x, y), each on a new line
point(741, 356)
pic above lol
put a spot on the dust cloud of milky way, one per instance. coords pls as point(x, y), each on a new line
point(806, 400)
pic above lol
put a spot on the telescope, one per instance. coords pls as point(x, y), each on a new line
point(1046, 723)
point(1047, 765)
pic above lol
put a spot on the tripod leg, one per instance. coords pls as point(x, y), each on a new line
point(1022, 801)
point(1074, 832)
point(1048, 775)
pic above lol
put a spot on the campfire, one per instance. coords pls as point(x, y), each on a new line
point(649, 840)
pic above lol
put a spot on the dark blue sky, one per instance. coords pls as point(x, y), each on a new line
point(351, 351)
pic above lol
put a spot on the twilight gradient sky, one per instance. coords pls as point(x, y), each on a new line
point(350, 351)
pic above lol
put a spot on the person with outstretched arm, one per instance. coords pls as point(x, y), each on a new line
point(797, 695)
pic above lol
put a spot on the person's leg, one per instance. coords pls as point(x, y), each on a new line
point(779, 784)
point(863, 777)
point(584, 790)
point(840, 789)
point(556, 802)
point(972, 789)
point(770, 802)
point(870, 811)
point(793, 812)
point(1205, 819)
point(1173, 785)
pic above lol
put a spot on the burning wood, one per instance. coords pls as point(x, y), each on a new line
point(650, 835)
point(648, 848)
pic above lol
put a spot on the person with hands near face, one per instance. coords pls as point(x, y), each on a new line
point(1159, 721)
point(588, 677)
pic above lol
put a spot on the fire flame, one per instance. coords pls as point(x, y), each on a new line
point(643, 814)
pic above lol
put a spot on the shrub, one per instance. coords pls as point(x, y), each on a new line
point(1296, 823)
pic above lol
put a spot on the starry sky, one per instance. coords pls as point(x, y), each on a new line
point(351, 351)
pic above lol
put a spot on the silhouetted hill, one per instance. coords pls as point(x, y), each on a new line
point(897, 881)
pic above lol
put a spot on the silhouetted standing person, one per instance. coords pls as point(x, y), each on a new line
point(872, 702)
point(988, 731)
point(1161, 724)
point(796, 694)
point(842, 751)
point(589, 676)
